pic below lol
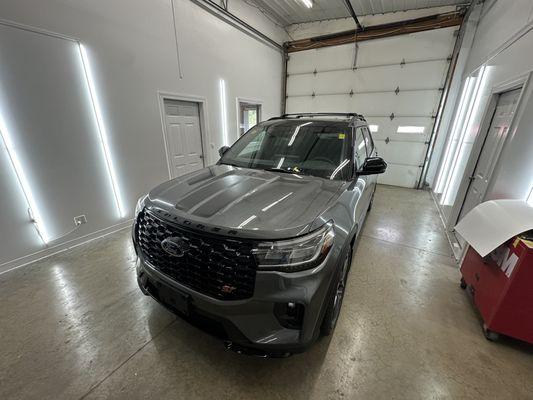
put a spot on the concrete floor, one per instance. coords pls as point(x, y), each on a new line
point(76, 326)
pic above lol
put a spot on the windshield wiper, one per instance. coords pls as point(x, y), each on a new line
point(285, 171)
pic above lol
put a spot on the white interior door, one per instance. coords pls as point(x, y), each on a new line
point(184, 137)
point(395, 83)
point(501, 121)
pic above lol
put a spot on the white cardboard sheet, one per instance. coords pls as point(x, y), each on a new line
point(490, 224)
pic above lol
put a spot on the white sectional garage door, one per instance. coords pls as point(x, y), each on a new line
point(396, 84)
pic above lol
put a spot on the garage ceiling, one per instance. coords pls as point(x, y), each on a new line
point(289, 12)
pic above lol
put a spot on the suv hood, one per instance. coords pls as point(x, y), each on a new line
point(245, 202)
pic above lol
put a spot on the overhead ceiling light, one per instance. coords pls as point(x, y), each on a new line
point(373, 128)
point(308, 3)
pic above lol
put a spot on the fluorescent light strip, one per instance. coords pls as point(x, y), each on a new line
point(23, 182)
point(456, 133)
point(373, 128)
point(439, 187)
point(445, 165)
point(101, 129)
point(474, 105)
point(461, 132)
point(223, 112)
point(411, 129)
point(308, 3)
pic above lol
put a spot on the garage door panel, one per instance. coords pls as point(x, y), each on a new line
point(301, 104)
point(399, 175)
point(334, 57)
point(303, 61)
point(415, 46)
point(324, 58)
point(406, 77)
point(386, 78)
point(421, 103)
point(399, 152)
point(389, 128)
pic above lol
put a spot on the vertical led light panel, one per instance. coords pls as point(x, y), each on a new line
point(223, 112)
point(101, 130)
point(33, 209)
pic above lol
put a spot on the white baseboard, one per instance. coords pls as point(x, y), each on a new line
point(67, 245)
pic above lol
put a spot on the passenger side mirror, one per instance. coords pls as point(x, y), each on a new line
point(372, 166)
point(222, 150)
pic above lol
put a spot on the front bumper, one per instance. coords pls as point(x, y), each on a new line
point(251, 325)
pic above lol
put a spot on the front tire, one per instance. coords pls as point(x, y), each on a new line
point(335, 299)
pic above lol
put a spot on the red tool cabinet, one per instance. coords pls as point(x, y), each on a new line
point(502, 288)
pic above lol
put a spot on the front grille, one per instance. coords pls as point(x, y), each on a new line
point(219, 267)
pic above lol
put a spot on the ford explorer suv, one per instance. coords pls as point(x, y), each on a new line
point(257, 248)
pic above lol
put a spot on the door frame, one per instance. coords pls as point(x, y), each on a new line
point(524, 82)
point(239, 100)
point(204, 127)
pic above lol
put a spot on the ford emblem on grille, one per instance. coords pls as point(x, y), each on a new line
point(175, 246)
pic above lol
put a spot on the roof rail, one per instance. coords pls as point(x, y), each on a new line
point(352, 116)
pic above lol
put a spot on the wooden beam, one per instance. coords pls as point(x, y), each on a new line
point(378, 31)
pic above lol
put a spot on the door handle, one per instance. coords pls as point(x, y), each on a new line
point(471, 178)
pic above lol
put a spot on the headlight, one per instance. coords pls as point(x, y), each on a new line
point(296, 254)
point(140, 205)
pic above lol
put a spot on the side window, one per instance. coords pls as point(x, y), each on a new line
point(368, 140)
point(360, 147)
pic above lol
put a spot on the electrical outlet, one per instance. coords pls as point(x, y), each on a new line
point(80, 220)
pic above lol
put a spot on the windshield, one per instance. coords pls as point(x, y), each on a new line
point(318, 148)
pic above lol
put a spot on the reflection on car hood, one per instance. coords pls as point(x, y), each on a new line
point(251, 203)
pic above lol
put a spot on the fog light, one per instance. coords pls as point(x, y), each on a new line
point(290, 315)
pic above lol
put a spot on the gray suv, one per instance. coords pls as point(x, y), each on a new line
point(257, 248)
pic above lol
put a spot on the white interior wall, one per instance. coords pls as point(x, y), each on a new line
point(504, 44)
point(132, 52)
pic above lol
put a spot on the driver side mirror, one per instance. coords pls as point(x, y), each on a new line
point(222, 150)
point(372, 166)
